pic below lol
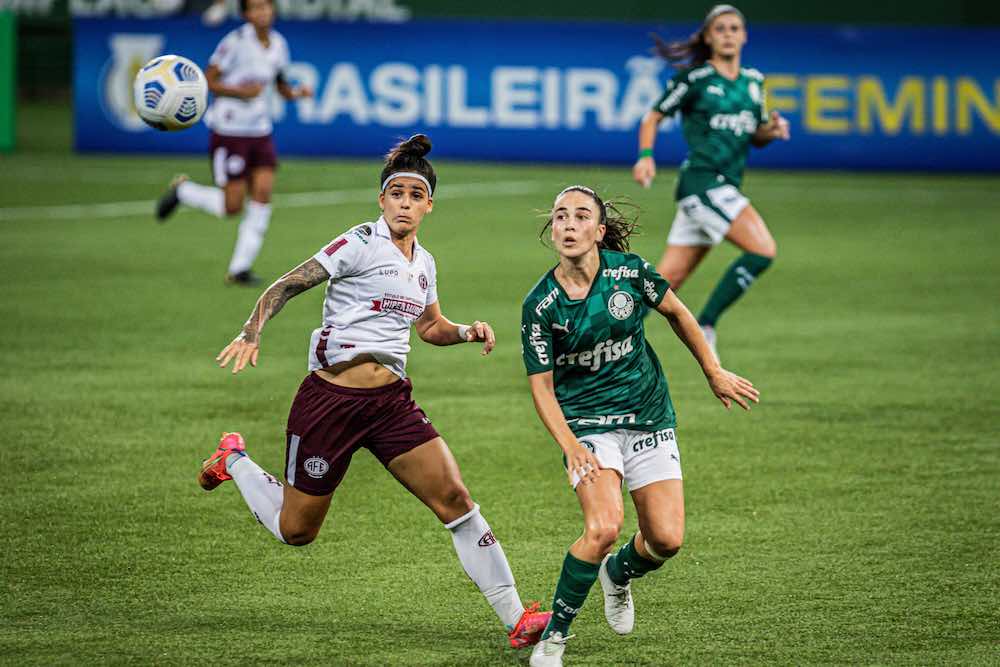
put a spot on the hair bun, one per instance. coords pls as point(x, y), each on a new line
point(414, 148)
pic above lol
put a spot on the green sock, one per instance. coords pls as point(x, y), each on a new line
point(735, 281)
point(628, 564)
point(574, 583)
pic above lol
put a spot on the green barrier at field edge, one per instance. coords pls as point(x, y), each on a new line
point(8, 54)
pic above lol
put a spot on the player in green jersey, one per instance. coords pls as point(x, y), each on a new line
point(723, 114)
point(600, 391)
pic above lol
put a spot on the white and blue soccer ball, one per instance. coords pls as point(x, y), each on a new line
point(170, 93)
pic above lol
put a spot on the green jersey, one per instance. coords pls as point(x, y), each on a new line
point(718, 118)
point(606, 375)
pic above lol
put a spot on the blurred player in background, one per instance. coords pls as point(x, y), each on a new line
point(723, 114)
point(380, 282)
point(240, 72)
point(600, 391)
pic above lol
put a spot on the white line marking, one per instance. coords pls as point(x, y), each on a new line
point(294, 200)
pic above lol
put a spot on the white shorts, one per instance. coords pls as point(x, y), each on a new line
point(640, 457)
point(704, 219)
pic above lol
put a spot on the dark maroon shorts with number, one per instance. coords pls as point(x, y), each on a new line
point(234, 157)
point(328, 423)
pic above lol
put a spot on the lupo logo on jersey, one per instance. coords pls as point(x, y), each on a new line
point(129, 52)
point(604, 352)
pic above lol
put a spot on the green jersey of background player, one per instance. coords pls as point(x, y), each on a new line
point(600, 391)
point(723, 114)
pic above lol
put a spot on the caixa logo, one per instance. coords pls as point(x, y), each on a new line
point(129, 52)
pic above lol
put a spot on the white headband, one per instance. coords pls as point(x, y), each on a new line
point(578, 188)
point(410, 174)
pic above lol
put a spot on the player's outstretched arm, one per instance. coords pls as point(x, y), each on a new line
point(579, 460)
point(246, 345)
point(434, 328)
point(644, 169)
point(246, 91)
point(727, 387)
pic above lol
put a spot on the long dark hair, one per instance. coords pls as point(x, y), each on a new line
point(408, 155)
point(693, 51)
point(619, 225)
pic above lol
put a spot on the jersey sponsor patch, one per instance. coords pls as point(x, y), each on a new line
point(391, 303)
point(603, 420)
point(620, 272)
point(604, 352)
point(547, 301)
point(538, 343)
point(334, 247)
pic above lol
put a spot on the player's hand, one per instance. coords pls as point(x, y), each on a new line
point(482, 332)
point(249, 90)
point(644, 171)
point(730, 387)
point(777, 127)
point(242, 350)
point(582, 464)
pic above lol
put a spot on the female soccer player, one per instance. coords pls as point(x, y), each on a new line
point(239, 74)
point(599, 389)
point(722, 105)
point(380, 281)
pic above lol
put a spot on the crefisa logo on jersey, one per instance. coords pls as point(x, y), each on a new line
point(316, 467)
point(621, 305)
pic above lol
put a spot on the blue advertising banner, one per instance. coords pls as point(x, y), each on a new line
point(888, 98)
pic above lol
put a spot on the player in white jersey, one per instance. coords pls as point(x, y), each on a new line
point(240, 73)
point(380, 282)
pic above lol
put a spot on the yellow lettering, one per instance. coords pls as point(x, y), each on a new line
point(940, 88)
point(890, 115)
point(781, 92)
point(969, 95)
point(825, 94)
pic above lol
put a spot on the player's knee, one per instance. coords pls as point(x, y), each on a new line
point(665, 544)
point(234, 208)
point(455, 501)
point(603, 533)
point(299, 537)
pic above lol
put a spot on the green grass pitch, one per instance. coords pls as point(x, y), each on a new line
point(852, 517)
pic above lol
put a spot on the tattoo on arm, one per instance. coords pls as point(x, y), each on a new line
point(306, 275)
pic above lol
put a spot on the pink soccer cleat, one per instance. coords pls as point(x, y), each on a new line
point(529, 628)
point(213, 469)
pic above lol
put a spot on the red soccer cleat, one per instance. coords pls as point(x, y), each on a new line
point(529, 628)
point(213, 469)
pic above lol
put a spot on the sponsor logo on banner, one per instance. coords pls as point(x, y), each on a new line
point(129, 52)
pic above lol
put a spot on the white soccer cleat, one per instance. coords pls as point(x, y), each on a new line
point(709, 333)
point(618, 606)
point(549, 652)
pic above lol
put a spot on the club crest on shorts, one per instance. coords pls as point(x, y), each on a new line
point(316, 467)
point(487, 540)
point(621, 305)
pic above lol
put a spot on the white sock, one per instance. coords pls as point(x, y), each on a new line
point(250, 237)
point(485, 563)
point(261, 491)
point(205, 197)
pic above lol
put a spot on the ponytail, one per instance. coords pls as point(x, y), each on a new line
point(408, 155)
point(693, 51)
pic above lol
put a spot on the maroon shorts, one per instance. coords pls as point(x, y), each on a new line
point(328, 423)
point(233, 157)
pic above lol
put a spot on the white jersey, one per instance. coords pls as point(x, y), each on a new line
point(242, 59)
point(373, 297)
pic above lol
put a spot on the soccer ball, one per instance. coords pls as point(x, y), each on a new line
point(170, 93)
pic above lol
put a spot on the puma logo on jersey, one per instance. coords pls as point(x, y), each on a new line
point(604, 352)
point(561, 327)
point(620, 272)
